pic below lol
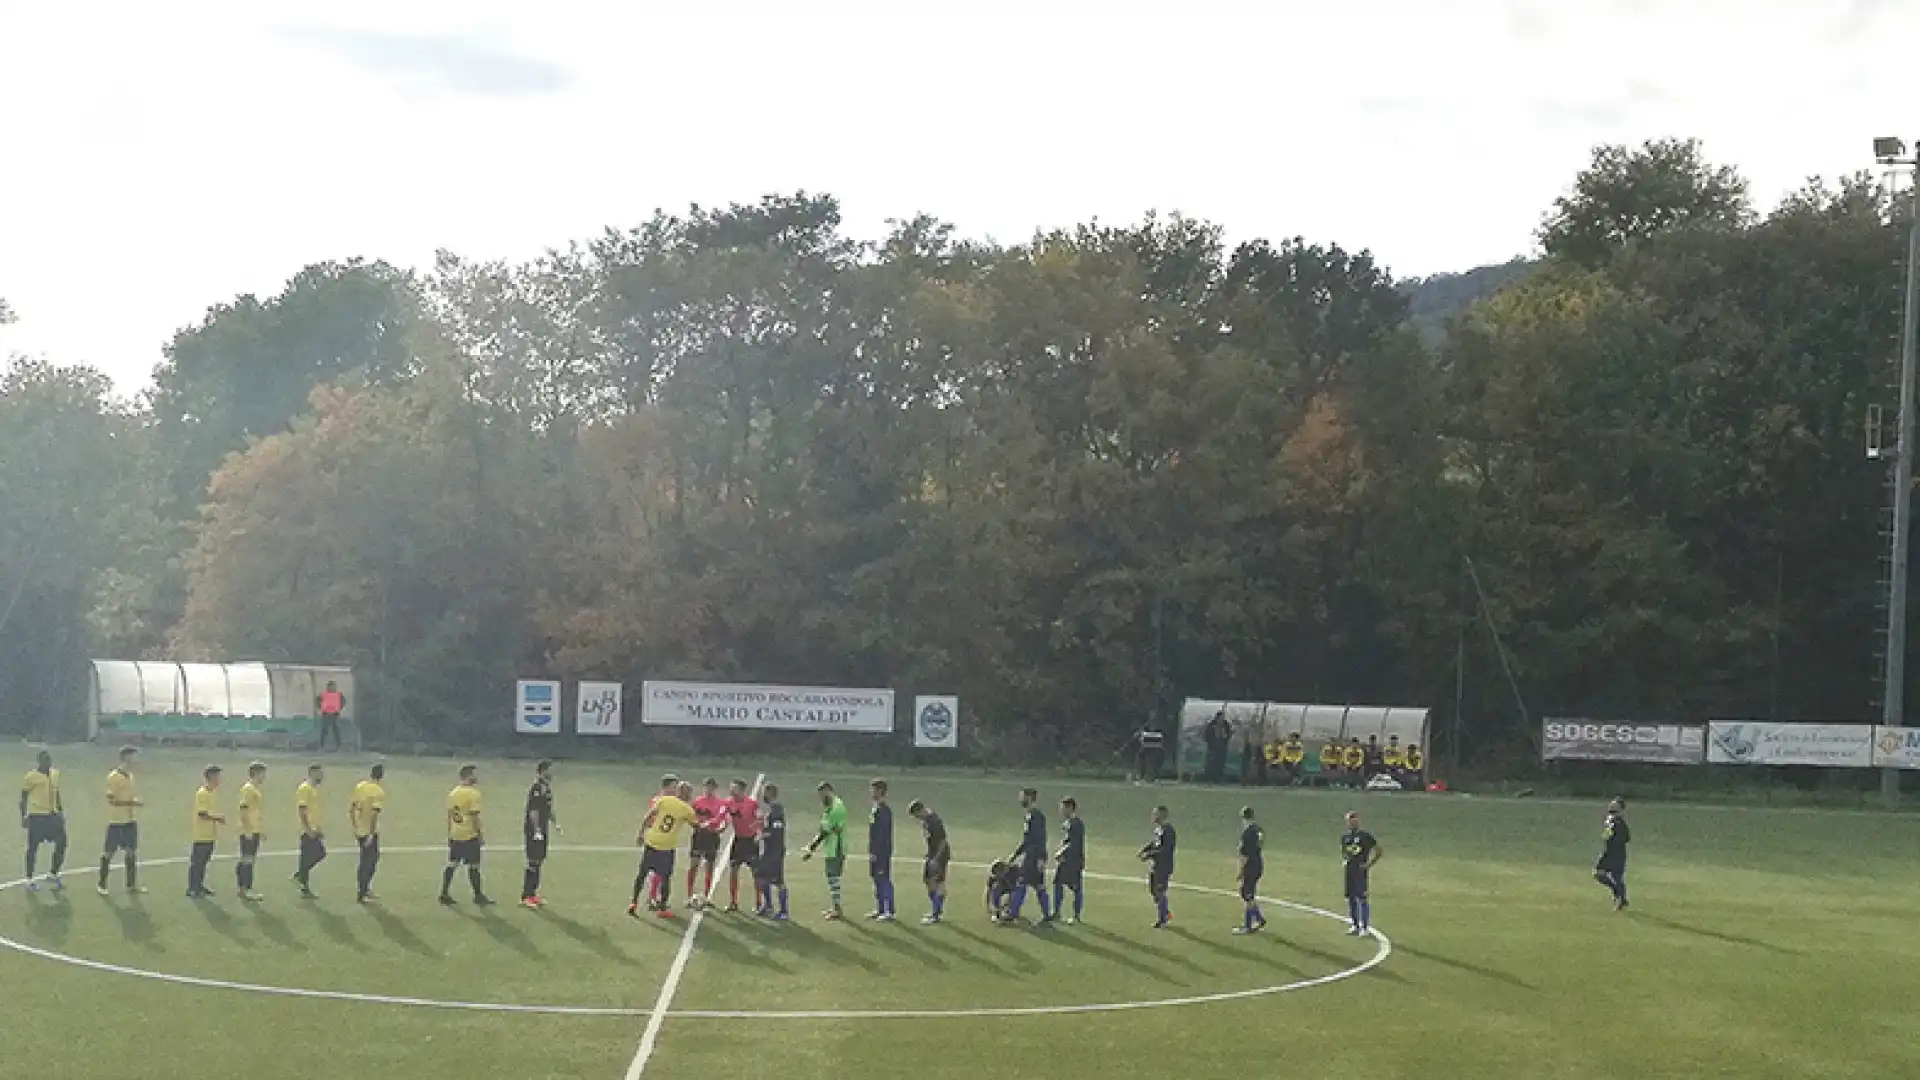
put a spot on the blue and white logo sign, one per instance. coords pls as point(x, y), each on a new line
point(936, 722)
point(536, 708)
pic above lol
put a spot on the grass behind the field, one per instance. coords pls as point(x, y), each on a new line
point(1761, 944)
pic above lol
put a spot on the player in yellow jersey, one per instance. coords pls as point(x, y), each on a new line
point(313, 831)
point(369, 802)
point(659, 837)
point(123, 826)
point(465, 836)
point(206, 834)
point(253, 814)
point(44, 817)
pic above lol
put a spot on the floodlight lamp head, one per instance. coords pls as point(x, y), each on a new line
point(1889, 149)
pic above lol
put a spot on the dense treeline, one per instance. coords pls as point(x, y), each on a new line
point(1071, 480)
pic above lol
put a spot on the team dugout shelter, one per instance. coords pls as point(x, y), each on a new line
point(1267, 722)
point(239, 703)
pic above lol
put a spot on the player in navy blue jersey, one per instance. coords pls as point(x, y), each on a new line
point(939, 853)
point(1611, 868)
point(1252, 865)
point(880, 852)
point(1070, 862)
point(1158, 855)
point(770, 871)
point(1031, 859)
point(1358, 852)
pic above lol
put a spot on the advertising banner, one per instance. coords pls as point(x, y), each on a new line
point(936, 722)
point(1896, 748)
point(1593, 740)
point(1756, 743)
point(778, 708)
point(597, 711)
point(536, 707)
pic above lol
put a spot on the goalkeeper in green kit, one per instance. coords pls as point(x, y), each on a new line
point(832, 840)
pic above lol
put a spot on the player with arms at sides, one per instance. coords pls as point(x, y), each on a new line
point(770, 872)
point(880, 852)
point(1252, 865)
point(123, 825)
point(313, 834)
point(709, 820)
point(364, 810)
point(206, 833)
point(45, 818)
point(939, 854)
point(466, 837)
point(253, 816)
point(743, 813)
point(1359, 851)
point(540, 821)
point(1611, 868)
point(659, 838)
point(1158, 855)
point(1031, 857)
point(1070, 862)
point(831, 839)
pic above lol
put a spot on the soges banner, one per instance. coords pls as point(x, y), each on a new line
point(1754, 743)
point(536, 707)
point(598, 709)
point(1896, 748)
point(936, 722)
point(780, 708)
point(1593, 740)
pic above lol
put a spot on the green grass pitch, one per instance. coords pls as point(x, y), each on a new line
point(1762, 943)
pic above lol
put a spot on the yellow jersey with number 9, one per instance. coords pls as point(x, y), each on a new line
point(669, 814)
point(463, 813)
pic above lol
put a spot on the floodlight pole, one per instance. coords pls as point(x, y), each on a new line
point(1893, 704)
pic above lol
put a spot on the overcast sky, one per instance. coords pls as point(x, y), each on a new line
point(156, 159)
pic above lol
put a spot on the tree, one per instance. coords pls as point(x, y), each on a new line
point(1628, 195)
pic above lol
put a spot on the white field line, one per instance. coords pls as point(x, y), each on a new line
point(658, 1018)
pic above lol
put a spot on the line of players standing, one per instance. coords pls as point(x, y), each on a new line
point(758, 829)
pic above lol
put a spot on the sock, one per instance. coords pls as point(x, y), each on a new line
point(446, 881)
point(663, 888)
point(59, 857)
point(33, 856)
point(762, 896)
point(1160, 905)
point(1249, 917)
point(1076, 901)
point(1254, 912)
point(1019, 900)
point(879, 896)
point(243, 876)
point(1059, 897)
point(1353, 911)
point(733, 890)
point(709, 890)
point(1041, 896)
point(783, 899)
point(692, 872)
point(133, 871)
point(106, 867)
point(473, 879)
point(1366, 914)
point(639, 883)
point(529, 882)
point(890, 908)
point(833, 890)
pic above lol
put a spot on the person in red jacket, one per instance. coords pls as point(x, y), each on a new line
point(330, 703)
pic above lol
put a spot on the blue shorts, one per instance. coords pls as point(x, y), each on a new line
point(1356, 883)
point(1250, 883)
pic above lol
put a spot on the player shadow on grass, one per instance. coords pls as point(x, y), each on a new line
point(505, 933)
point(334, 926)
point(221, 921)
point(597, 940)
point(398, 932)
point(1339, 962)
point(275, 928)
point(50, 919)
point(1136, 945)
point(136, 925)
point(737, 949)
point(1716, 935)
point(1072, 939)
point(807, 942)
point(996, 939)
point(898, 943)
point(1462, 965)
point(934, 940)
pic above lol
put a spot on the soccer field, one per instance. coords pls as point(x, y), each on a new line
point(1761, 943)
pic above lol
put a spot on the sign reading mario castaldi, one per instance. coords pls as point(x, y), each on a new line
point(778, 708)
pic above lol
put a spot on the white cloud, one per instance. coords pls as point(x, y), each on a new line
point(163, 161)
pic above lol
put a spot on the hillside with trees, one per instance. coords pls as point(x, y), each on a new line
point(1071, 480)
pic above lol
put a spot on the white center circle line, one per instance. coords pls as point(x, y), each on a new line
point(1384, 949)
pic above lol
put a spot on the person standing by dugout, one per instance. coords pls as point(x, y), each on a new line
point(330, 703)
